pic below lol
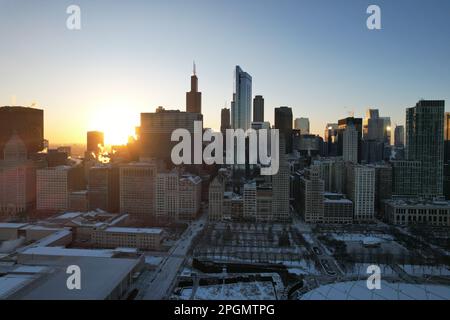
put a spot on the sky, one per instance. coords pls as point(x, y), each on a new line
point(315, 56)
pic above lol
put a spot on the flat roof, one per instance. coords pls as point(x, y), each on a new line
point(100, 277)
point(68, 215)
point(64, 252)
point(11, 283)
point(7, 225)
point(134, 230)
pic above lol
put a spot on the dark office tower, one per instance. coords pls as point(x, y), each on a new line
point(330, 139)
point(399, 136)
point(103, 190)
point(425, 143)
point(95, 139)
point(225, 120)
point(283, 122)
point(194, 98)
point(258, 109)
point(156, 130)
point(27, 123)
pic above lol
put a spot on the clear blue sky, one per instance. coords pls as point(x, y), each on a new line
point(130, 56)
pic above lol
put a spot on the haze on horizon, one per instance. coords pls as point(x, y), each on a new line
point(317, 57)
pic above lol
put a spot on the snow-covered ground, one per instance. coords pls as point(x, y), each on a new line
point(357, 290)
point(361, 237)
point(153, 260)
point(308, 238)
point(234, 291)
point(360, 269)
point(301, 267)
point(418, 270)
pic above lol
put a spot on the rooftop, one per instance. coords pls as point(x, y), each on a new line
point(135, 230)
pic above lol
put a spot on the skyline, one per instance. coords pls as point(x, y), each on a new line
point(323, 71)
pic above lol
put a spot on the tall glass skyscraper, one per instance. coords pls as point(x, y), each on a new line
point(425, 143)
point(242, 100)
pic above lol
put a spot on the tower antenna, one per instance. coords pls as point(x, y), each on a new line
point(195, 71)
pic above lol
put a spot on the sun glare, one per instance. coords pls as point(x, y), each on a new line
point(117, 122)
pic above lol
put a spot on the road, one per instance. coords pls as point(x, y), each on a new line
point(161, 281)
point(328, 263)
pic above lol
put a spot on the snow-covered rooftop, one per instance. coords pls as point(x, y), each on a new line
point(134, 230)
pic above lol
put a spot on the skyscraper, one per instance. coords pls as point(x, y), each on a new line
point(376, 128)
point(342, 125)
point(281, 187)
point(194, 97)
point(258, 109)
point(242, 100)
point(95, 140)
point(216, 190)
point(157, 127)
point(225, 120)
point(361, 190)
point(302, 124)
point(28, 123)
point(447, 126)
point(137, 190)
point(283, 122)
point(399, 136)
point(425, 143)
point(350, 145)
point(312, 195)
point(103, 189)
point(54, 185)
point(17, 179)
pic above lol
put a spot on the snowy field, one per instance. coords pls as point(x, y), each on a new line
point(361, 237)
point(418, 270)
point(153, 260)
point(360, 269)
point(234, 291)
point(357, 290)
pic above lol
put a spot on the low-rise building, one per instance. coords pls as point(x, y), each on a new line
point(141, 238)
point(409, 211)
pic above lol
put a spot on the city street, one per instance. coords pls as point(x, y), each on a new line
point(160, 282)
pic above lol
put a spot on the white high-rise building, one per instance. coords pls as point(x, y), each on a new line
point(312, 195)
point(216, 198)
point(53, 187)
point(178, 197)
point(361, 190)
point(250, 208)
point(17, 179)
point(350, 145)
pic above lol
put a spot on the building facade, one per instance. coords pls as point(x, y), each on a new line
point(361, 191)
point(137, 197)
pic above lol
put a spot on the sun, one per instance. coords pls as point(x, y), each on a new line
point(116, 121)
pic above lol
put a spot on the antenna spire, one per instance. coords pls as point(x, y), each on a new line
point(195, 71)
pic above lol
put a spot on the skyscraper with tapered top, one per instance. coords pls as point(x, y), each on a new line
point(242, 100)
point(194, 97)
